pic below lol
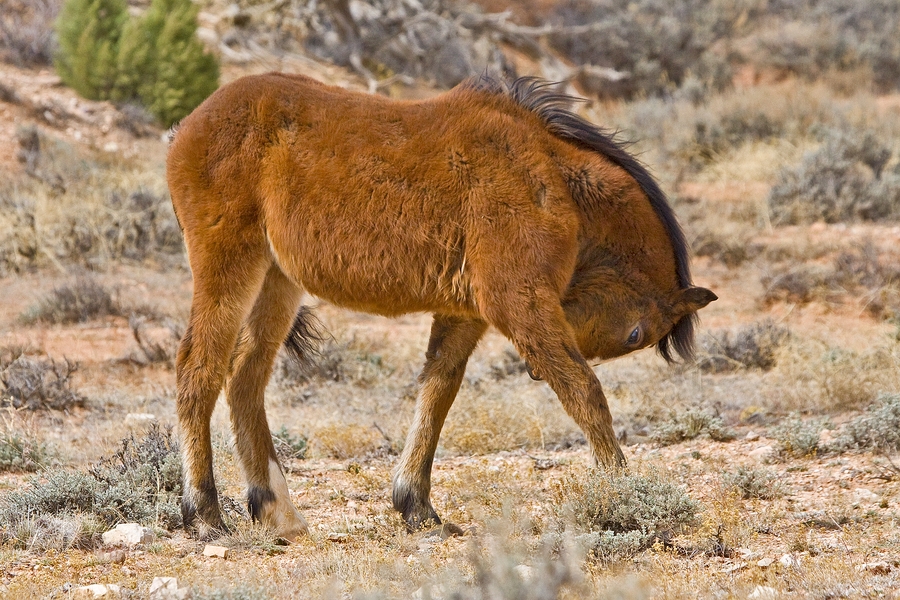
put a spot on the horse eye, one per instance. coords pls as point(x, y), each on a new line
point(634, 337)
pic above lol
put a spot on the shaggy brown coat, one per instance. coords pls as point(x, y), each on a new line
point(488, 205)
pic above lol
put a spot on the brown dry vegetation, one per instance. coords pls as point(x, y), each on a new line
point(780, 442)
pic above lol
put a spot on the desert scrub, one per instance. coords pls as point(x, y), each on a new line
point(37, 383)
point(139, 482)
point(82, 300)
point(690, 424)
point(84, 207)
point(618, 514)
point(877, 429)
point(289, 446)
point(22, 452)
point(753, 483)
point(844, 180)
point(799, 438)
point(750, 347)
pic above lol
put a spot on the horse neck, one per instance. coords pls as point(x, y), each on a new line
point(618, 221)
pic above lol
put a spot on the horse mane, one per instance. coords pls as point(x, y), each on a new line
point(553, 107)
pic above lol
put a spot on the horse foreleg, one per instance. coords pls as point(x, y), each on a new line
point(266, 327)
point(223, 293)
point(546, 342)
point(451, 343)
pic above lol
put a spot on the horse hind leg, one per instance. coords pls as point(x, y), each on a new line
point(225, 283)
point(451, 343)
point(265, 330)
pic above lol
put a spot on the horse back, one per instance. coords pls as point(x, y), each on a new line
point(375, 204)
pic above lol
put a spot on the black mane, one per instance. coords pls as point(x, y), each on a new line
point(553, 107)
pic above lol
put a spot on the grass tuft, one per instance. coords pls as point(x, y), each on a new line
point(754, 483)
point(877, 429)
point(799, 438)
point(690, 424)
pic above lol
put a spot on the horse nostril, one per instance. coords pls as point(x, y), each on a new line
point(532, 373)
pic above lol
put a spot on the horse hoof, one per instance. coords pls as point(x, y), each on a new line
point(444, 531)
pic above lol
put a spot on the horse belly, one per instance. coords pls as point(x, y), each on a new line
point(377, 265)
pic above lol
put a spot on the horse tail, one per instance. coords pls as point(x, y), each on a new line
point(304, 341)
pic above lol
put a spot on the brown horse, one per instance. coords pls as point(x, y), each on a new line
point(492, 204)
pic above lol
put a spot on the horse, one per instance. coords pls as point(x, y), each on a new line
point(493, 204)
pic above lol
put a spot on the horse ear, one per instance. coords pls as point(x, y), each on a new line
point(692, 299)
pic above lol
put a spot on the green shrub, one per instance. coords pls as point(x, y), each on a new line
point(89, 32)
point(163, 64)
point(155, 59)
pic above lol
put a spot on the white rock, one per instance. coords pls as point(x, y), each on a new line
point(128, 534)
point(751, 436)
point(790, 561)
point(762, 592)
point(735, 567)
point(765, 562)
point(865, 495)
point(166, 588)
point(762, 453)
point(335, 536)
point(215, 551)
point(139, 419)
point(98, 590)
point(747, 553)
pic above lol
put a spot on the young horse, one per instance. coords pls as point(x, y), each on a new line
point(489, 205)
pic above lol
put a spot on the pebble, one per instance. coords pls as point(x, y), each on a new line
point(789, 561)
point(765, 562)
point(762, 592)
point(762, 453)
point(98, 590)
point(166, 588)
point(215, 551)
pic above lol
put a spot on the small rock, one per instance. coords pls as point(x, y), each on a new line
point(751, 436)
point(435, 592)
point(735, 567)
point(747, 553)
point(762, 453)
point(876, 568)
point(115, 557)
point(215, 551)
point(139, 419)
point(789, 561)
point(98, 590)
point(762, 592)
point(128, 534)
point(166, 588)
point(765, 562)
point(335, 536)
point(865, 495)
point(524, 572)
